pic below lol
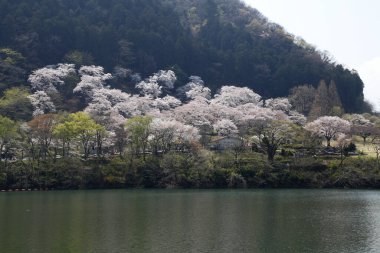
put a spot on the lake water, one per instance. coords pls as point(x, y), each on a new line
point(190, 221)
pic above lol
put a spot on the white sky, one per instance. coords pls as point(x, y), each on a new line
point(348, 29)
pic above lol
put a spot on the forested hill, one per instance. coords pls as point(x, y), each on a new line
point(223, 41)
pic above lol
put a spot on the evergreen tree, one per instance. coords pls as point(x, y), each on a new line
point(335, 104)
point(321, 103)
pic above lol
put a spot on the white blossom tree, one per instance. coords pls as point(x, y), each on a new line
point(234, 96)
point(343, 142)
point(93, 78)
point(121, 72)
point(155, 84)
point(270, 134)
point(279, 104)
point(137, 106)
point(297, 118)
point(162, 134)
point(102, 107)
point(167, 103)
point(185, 135)
point(149, 89)
point(362, 126)
point(41, 103)
point(225, 127)
point(50, 77)
point(195, 113)
point(194, 89)
point(328, 127)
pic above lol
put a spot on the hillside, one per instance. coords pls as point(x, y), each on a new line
point(223, 41)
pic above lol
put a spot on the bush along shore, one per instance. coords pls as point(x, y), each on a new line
point(198, 170)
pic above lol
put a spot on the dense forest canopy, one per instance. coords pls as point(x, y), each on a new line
point(224, 41)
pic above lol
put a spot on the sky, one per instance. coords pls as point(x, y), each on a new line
point(348, 29)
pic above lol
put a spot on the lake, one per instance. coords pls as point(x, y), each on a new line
point(190, 221)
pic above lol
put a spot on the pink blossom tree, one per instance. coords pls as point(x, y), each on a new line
point(47, 79)
point(328, 127)
point(41, 102)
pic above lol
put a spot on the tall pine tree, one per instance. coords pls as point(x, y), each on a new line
point(320, 105)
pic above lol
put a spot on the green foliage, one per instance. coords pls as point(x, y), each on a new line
point(183, 170)
point(10, 56)
point(79, 58)
point(8, 131)
point(138, 130)
point(12, 68)
point(81, 127)
point(15, 104)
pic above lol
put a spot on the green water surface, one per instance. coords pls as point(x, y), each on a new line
point(190, 221)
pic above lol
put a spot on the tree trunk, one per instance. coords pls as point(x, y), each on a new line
point(271, 152)
point(328, 142)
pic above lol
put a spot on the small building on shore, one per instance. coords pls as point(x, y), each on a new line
point(226, 143)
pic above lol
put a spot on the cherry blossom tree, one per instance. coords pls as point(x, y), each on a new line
point(194, 89)
point(150, 89)
point(250, 115)
point(195, 113)
point(234, 96)
point(225, 127)
point(92, 78)
point(167, 103)
point(271, 133)
point(162, 134)
point(50, 77)
point(297, 118)
point(121, 72)
point(279, 104)
point(185, 135)
point(155, 84)
point(342, 143)
point(137, 106)
point(41, 102)
point(361, 126)
point(328, 127)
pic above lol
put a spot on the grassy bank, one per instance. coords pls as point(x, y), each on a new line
point(203, 169)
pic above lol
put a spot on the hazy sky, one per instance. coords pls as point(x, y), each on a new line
point(348, 29)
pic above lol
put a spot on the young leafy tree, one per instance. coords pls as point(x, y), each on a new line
point(16, 105)
point(138, 129)
point(8, 134)
point(41, 128)
point(64, 134)
point(81, 127)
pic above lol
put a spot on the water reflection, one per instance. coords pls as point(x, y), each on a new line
point(191, 221)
